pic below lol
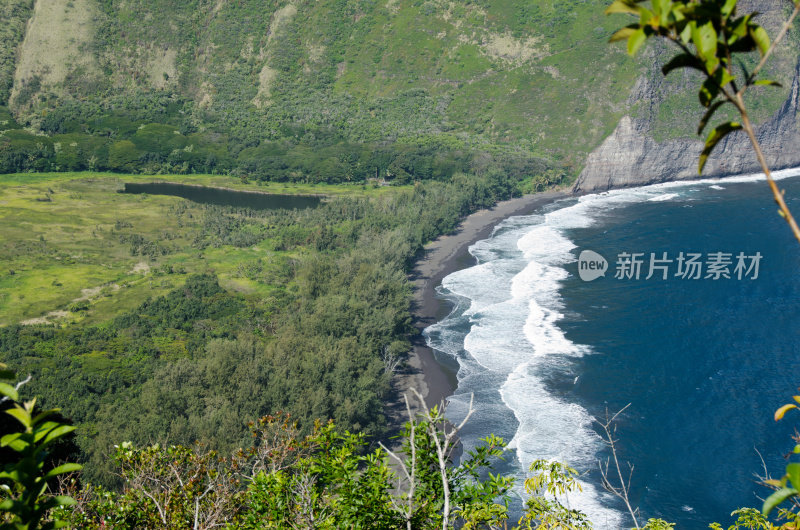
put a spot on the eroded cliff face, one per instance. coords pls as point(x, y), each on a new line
point(632, 157)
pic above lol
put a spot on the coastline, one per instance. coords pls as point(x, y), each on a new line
point(449, 253)
point(441, 257)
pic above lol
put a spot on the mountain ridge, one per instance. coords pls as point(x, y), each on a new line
point(503, 77)
point(337, 90)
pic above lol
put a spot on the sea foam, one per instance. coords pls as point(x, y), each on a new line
point(504, 333)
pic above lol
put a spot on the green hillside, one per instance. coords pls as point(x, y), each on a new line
point(324, 90)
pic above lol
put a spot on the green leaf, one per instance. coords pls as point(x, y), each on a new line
point(683, 60)
point(8, 390)
point(646, 17)
point(793, 470)
point(720, 132)
point(760, 36)
point(767, 82)
point(722, 77)
point(58, 432)
point(711, 65)
point(667, 14)
point(635, 41)
point(63, 500)
point(44, 414)
point(8, 438)
point(21, 415)
point(14, 442)
point(737, 29)
point(60, 470)
point(705, 40)
point(776, 498)
point(728, 8)
point(42, 430)
point(624, 33)
point(708, 91)
point(708, 115)
point(623, 6)
point(686, 34)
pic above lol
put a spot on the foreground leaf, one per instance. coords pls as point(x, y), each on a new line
point(783, 410)
point(777, 498)
point(720, 132)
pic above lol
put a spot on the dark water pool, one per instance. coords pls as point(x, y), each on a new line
point(225, 197)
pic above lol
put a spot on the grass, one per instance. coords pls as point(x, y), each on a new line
point(53, 249)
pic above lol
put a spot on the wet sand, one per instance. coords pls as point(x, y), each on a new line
point(449, 253)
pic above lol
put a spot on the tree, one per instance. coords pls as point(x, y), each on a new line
point(327, 479)
point(431, 491)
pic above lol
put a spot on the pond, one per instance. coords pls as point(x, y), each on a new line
point(225, 197)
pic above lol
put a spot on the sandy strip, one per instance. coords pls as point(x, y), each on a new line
point(441, 257)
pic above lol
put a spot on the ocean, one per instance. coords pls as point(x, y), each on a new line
point(703, 362)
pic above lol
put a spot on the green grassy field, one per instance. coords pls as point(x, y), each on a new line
point(66, 253)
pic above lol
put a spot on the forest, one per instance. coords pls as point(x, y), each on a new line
point(153, 134)
point(199, 362)
point(336, 90)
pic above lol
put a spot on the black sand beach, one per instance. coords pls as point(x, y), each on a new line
point(441, 257)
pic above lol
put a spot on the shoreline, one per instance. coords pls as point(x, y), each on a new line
point(443, 256)
point(434, 380)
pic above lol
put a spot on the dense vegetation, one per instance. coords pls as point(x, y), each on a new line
point(127, 142)
point(197, 362)
point(331, 90)
point(326, 479)
point(323, 91)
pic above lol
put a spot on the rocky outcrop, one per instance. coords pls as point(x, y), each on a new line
point(631, 157)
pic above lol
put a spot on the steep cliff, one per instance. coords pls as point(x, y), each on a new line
point(633, 155)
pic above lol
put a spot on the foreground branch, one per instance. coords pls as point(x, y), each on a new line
point(621, 491)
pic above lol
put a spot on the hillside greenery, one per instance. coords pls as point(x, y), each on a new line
point(154, 319)
point(326, 91)
point(328, 478)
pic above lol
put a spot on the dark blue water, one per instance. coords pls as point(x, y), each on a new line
point(704, 363)
point(224, 197)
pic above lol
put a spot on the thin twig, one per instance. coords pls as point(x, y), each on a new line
point(17, 387)
point(776, 192)
point(773, 45)
point(738, 101)
point(622, 490)
point(408, 510)
point(444, 447)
